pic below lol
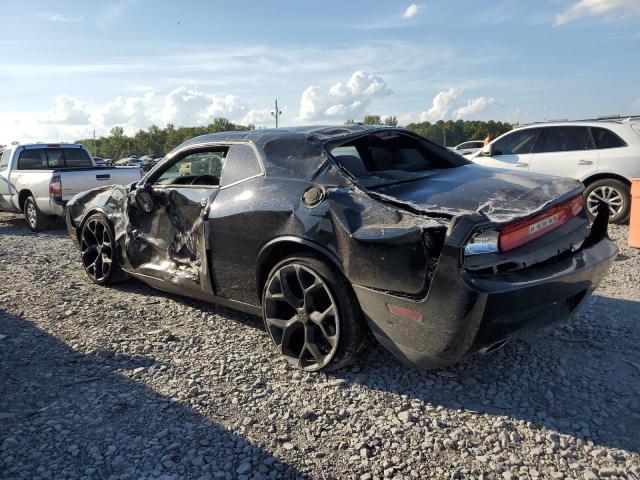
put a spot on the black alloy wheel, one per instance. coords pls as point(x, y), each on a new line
point(302, 317)
point(312, 315)
point(98, 250)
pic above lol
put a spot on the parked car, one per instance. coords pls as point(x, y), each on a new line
point(38, 179)
point(328, 232)
point(99, 161)
point(468, 148)
point(602, 154)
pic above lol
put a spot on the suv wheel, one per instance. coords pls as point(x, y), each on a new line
point(311, 314)
point(615, 193)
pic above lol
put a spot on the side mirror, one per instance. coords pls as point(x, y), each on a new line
point(144, 199)
point(487, 151)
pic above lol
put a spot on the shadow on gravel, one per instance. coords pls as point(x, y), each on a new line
point(64, 414)
point(578, 379)
point(16, 226)
point(140, 288)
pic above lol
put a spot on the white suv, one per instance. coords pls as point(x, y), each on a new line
point(603, 154)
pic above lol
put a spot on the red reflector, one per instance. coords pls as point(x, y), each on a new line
point(516, 235)
point(404, 312)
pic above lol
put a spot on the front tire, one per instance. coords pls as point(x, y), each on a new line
point(615, 193)
point(311, 314)
point(97, 244)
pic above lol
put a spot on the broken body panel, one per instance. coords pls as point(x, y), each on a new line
point(400, 244)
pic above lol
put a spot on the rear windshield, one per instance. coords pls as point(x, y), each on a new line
point(386, 157)
point(44, 158)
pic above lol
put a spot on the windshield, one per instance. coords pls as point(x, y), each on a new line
point(386, 157)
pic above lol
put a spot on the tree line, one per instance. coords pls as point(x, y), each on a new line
point(156, 141)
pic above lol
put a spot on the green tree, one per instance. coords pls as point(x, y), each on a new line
point(391, 121)
point(372, 120)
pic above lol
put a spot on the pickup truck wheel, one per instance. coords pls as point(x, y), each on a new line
point(97, 244)
point(615, 193)
point(311, 314)
point(36, 220)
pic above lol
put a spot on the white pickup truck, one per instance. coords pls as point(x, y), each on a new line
point(39, 179)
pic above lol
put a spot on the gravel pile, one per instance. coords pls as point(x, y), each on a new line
point(128, 383)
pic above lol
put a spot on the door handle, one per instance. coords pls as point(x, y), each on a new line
point(522, 164)
point(103, 176)
point(584, 162)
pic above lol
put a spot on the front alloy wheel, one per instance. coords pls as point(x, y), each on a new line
point(97, 247)
point(301, 316)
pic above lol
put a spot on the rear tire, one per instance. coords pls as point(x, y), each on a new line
point(36, 220)
point(312, 315)
point(615, 193)
point(98, 247)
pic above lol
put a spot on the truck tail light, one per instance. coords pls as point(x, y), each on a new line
point(517, 234)
point(55, 188)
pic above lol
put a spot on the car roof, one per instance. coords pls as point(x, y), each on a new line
point(261, 136)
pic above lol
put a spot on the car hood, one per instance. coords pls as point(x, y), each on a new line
point(498, 194)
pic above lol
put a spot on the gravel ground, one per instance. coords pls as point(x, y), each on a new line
point(131, 383)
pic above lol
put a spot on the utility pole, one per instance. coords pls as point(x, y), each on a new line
point(94, 144)
point(444, 134)
point(276, 113)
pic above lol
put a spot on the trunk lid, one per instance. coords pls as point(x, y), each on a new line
point(500, 195)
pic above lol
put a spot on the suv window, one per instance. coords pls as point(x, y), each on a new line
point(206, 165)
point(566, 139)
point(241, 163)
point(605, 138)
point(516, 143)
point(4, 161)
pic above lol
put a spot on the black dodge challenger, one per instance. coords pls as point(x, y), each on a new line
point(330, 233)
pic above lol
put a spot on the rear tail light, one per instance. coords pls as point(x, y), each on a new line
point(517, 234)
point(55, 188)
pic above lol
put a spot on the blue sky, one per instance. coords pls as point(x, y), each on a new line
point(70, 67)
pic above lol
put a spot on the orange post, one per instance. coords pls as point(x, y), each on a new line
point(634, 219)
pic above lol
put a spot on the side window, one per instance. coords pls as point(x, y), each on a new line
point(76, 157)
point(517, 142)
point(348, 150)
point(606, 138)
point(32, 159)
point(201, 168)
point(4, 161)
point(566, 139)
point(241, 164)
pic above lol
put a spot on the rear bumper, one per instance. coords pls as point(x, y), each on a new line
point(57, 207)
point(465, 313)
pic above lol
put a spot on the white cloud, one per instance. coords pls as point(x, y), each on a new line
point(127, 111)
point(441, 105)
point(111, 12)
point(412, 10)
point(185, 107)
point(261, 117)
point(474, 105)
point(58, 17)
point(68, 111)
point(584, 8)
point(342, 99)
